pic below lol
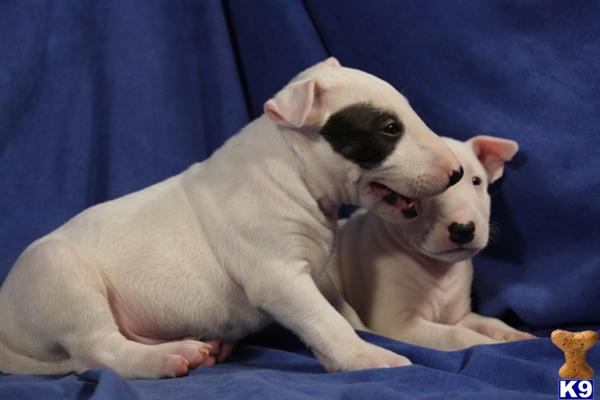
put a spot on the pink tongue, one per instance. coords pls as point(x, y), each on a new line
point(398, 202)
point(408, 208)
point(401, 204)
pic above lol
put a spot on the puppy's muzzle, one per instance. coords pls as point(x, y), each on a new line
point(456, 176)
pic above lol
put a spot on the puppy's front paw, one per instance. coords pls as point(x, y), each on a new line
point(378, 357)
point(510, 335)
point(370, 356)
point(517, 335)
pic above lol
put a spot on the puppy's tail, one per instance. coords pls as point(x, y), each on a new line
point(14, 363)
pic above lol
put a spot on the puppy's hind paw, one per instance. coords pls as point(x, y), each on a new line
point(174, 366)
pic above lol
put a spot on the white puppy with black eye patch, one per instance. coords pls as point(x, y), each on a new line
point(225, 247)
point(412, 280)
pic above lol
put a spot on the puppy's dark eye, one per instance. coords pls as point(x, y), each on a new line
point(392, 129)
point(476, 181)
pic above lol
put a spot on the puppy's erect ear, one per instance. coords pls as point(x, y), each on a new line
point(493, 152)
point(292, 106)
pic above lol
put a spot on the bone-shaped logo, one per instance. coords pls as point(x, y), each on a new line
point(575, 345)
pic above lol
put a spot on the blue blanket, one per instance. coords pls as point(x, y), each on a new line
point(98, 99)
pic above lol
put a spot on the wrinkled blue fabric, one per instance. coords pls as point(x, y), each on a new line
point(101, 98)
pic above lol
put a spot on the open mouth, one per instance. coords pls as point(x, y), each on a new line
point(410, 208)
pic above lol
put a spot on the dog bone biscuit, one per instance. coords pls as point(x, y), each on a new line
point(575, 345)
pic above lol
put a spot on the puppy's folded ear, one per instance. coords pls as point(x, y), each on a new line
point(493, 152)
point(331, 61)
point(294, 105)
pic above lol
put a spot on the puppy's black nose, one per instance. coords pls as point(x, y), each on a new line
point(456, 176)
point(462, 233)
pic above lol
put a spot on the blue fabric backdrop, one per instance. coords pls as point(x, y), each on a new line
point(98, 99)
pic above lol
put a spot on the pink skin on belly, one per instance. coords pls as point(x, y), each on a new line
point(133, 328)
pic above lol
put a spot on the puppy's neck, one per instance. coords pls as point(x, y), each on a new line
point(325, 180)
point(392, 240)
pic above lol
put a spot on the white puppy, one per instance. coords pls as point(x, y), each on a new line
point(412, 280)
point(219, 250)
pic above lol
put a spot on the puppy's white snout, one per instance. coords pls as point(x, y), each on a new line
point(445, 169)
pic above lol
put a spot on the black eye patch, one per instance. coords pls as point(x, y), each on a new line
point(363, 134)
